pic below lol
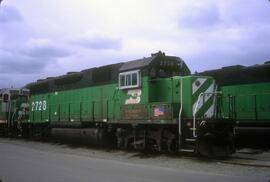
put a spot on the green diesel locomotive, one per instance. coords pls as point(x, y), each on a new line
point(13, 110)
point(149, 103)
point(246, 99)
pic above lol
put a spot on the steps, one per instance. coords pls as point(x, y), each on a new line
point(190, 139)
point(187, 150)
point(188, 145)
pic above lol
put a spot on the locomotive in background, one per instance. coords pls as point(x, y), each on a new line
point(246, 99)
point(152, 102)
point(13, 110)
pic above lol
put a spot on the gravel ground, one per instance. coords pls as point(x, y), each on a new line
point(181, 162)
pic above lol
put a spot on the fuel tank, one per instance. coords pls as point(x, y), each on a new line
point(90, 136)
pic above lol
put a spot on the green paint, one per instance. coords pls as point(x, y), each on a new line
point(251, 101)
point(104, 103)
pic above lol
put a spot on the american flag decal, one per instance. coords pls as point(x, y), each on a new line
point(159, 111)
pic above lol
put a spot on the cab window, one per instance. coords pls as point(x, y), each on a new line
point(129, 79)
point(134, 78)
point(122, 80)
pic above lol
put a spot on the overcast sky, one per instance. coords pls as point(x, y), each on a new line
point(41, 38)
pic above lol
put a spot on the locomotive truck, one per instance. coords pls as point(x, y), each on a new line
point(149, 103)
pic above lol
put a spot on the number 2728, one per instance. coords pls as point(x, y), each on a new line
point(39, 105)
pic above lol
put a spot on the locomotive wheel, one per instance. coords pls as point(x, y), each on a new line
point(214, 146)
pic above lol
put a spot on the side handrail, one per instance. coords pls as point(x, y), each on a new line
point(180, 114)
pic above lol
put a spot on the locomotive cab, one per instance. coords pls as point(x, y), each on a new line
point(160, 90)
point(13, 105)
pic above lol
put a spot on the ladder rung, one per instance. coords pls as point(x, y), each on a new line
point(187, 150)
point(190, 139)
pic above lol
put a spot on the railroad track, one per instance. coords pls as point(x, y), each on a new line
point(252, 159)
point(248, 161)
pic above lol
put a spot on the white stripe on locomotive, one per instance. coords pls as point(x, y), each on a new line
point(210, 112)
point(197, 84)
point(204, 98)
